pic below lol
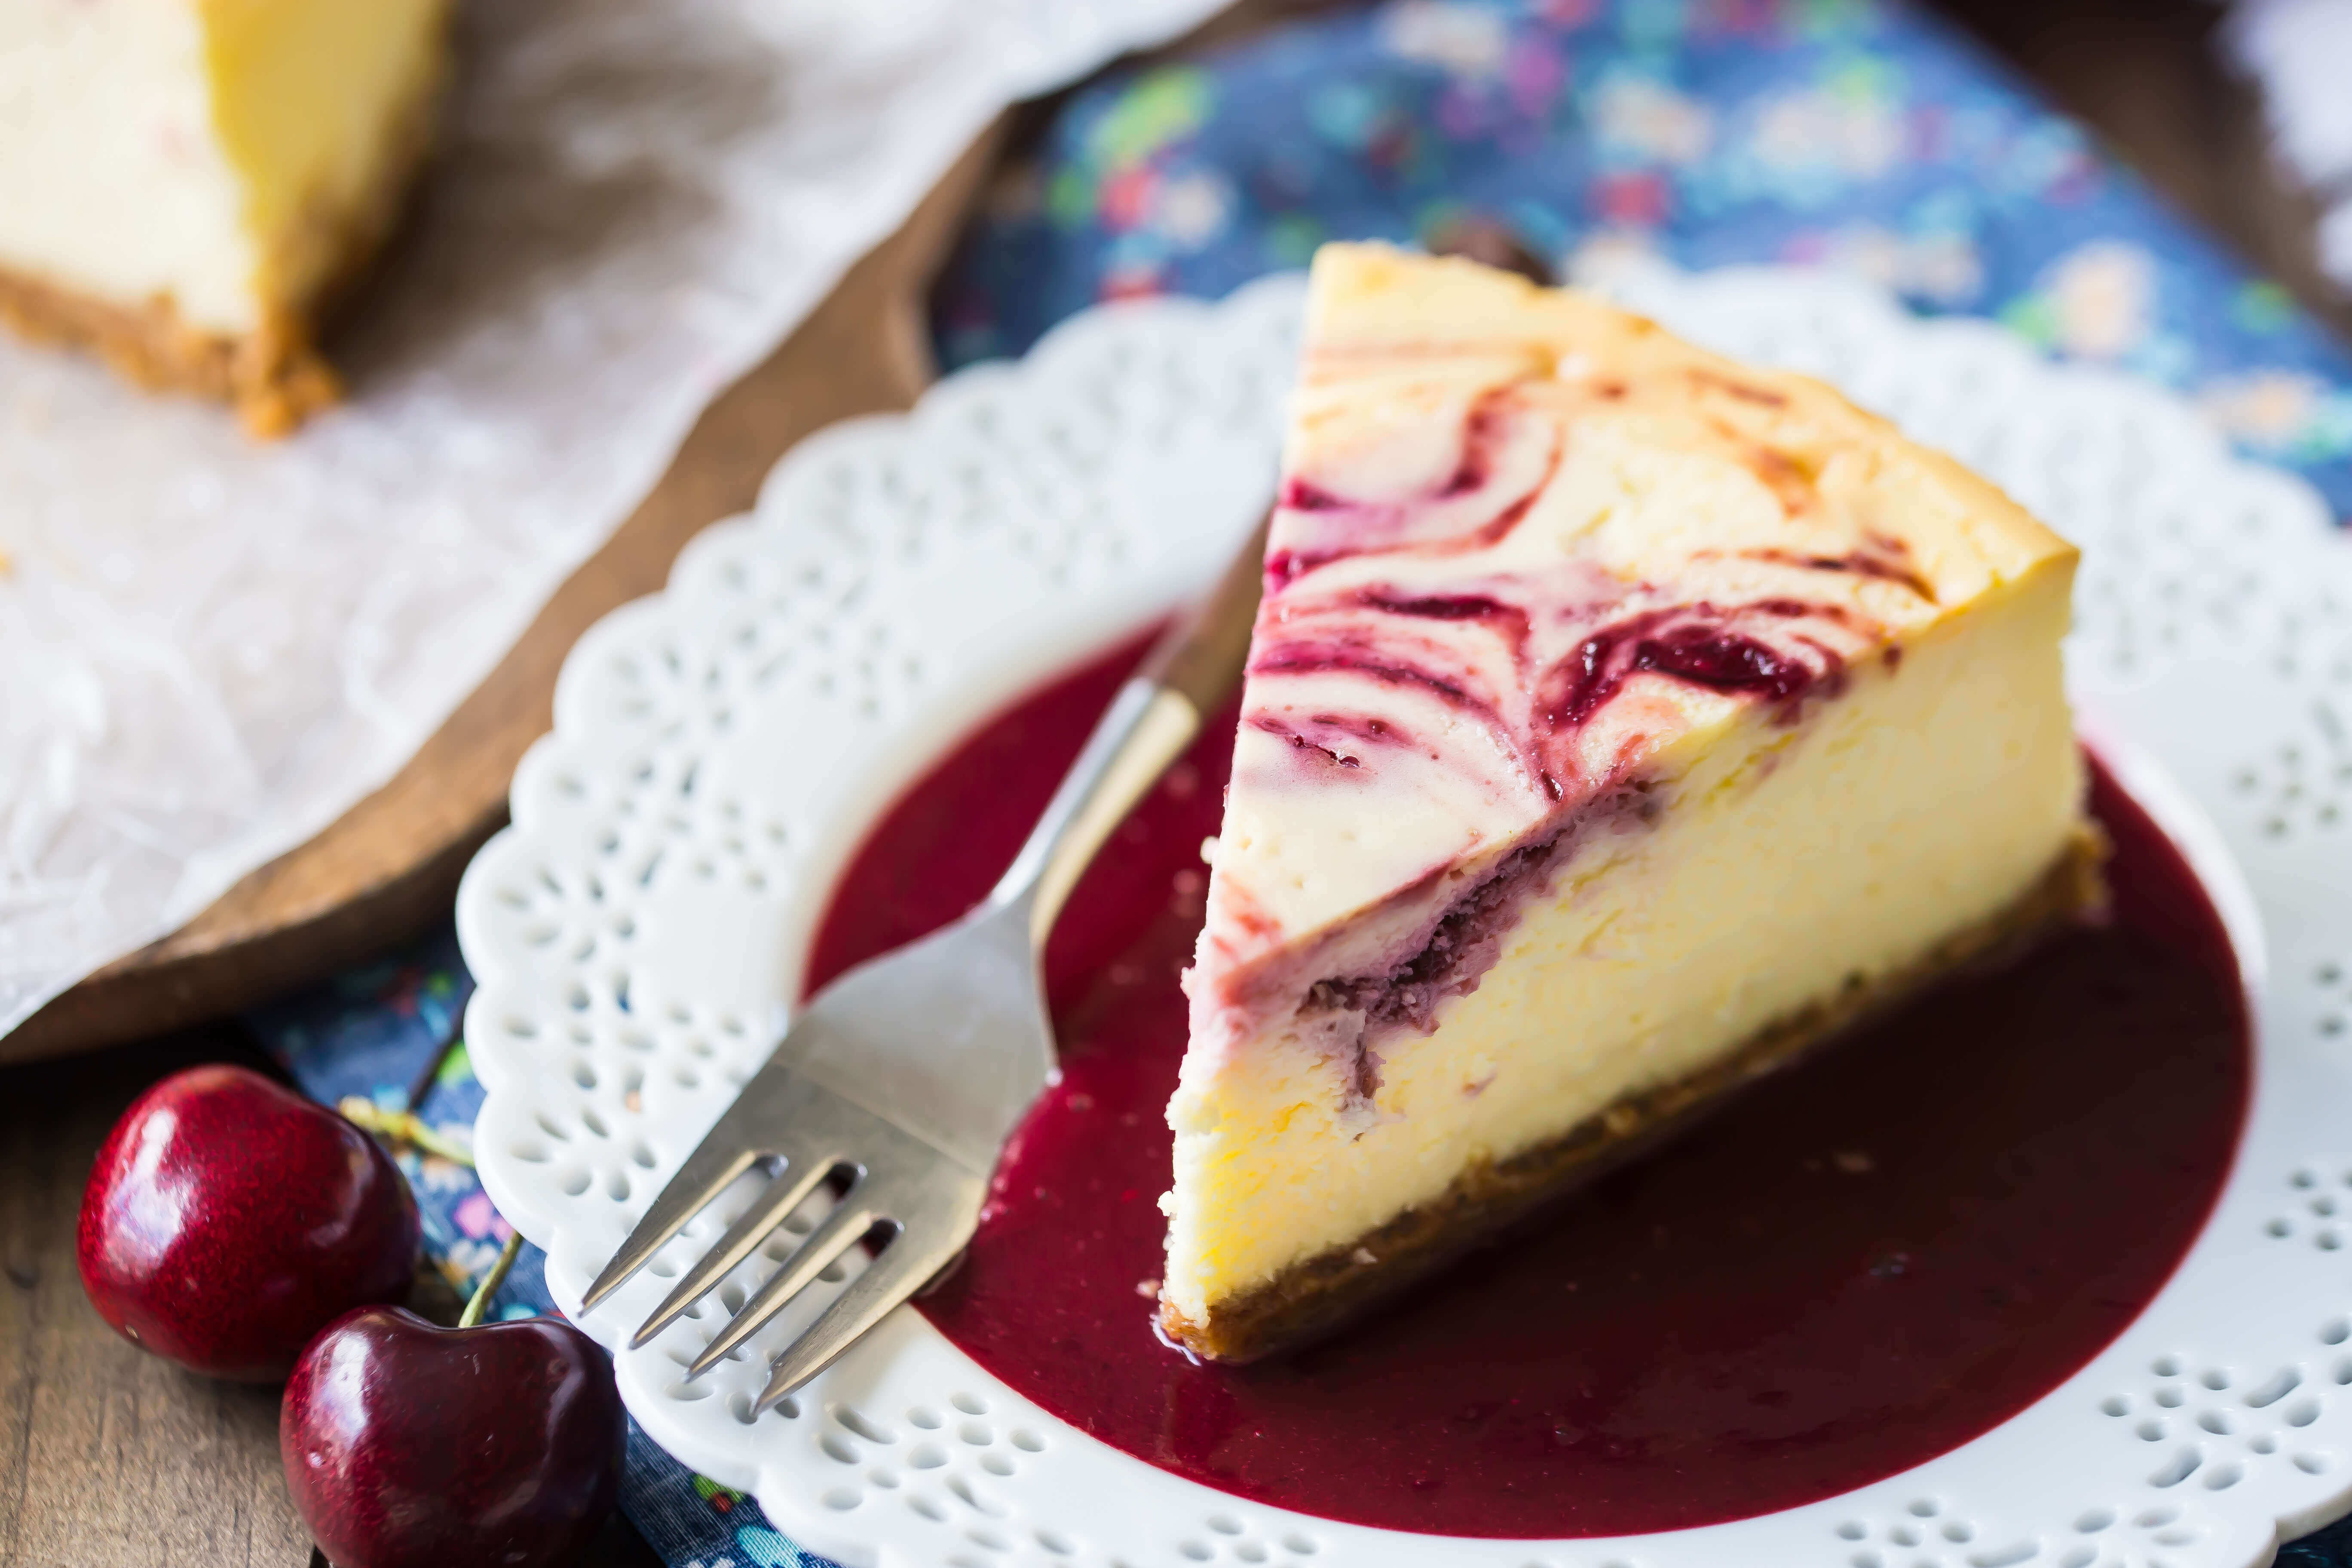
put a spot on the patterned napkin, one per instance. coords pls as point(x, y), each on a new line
point(1848, 132)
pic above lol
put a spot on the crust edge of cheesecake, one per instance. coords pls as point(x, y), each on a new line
point(274, 377)
point(1314, 1297)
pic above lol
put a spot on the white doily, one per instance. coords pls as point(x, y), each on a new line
point(211, 648)
point(720, 749)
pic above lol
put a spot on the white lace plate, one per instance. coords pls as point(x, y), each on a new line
point(720, 747)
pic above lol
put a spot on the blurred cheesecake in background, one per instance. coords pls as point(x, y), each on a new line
point(186, 184)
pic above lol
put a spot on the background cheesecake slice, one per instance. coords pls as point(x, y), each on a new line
point(1619, 721)
point(185, 184)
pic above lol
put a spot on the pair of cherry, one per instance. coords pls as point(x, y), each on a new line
point(236, 1228)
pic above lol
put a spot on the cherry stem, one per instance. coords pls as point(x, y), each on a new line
point(490, 1282)
point(401, 1127)
point(430, 1073)
point(407, 1127)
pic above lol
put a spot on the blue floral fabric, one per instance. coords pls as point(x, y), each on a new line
point(1849, 133)
point(1854, 133)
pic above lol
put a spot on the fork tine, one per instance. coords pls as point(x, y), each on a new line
point(797, 1181)
point(718, 1159)
point(828, 1241)
point(902, 1268)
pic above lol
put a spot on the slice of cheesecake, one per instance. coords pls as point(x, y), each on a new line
point(184, 184)
point(1621, 722)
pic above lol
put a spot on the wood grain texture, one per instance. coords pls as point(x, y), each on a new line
point(388, 868)
point(109, 1456)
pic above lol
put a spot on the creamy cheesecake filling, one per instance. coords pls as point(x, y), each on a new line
point(1435, 948)
point(215, 153)
point(1610, 708)
point(1354, 1016)
point(1501, 647)
point(1783, 863)
point(1424, 683)
point(323, 154)
point(113, 182)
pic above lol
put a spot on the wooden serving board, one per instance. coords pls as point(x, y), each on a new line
point(388, 868)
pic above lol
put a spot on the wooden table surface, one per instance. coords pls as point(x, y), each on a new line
point(111, 1457)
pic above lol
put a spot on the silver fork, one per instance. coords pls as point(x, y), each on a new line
point(907, 1074)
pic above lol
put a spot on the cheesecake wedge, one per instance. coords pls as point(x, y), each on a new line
point(1621, 722)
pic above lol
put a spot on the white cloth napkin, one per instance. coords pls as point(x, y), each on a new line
point(210, 648)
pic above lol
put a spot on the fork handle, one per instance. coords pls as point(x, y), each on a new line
point(1187, 673)
point(1202, 656)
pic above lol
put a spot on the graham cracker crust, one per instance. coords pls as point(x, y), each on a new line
point(273, 377)
point(1312, 1298)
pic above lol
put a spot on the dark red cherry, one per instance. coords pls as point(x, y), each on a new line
point(412, 1446)
point(227, 1220)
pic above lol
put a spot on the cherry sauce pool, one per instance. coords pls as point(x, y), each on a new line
point(1857, 1265)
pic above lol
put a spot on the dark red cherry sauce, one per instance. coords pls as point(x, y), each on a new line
point(1855, 1268)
